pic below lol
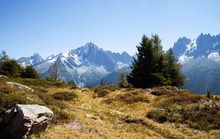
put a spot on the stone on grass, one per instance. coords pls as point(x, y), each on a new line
point(20, 86)
point(24, 120)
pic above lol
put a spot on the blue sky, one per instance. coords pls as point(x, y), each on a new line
point(54, 26)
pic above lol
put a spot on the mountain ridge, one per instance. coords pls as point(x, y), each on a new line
point(200, 62)
point(204, 45)
point(86, 65)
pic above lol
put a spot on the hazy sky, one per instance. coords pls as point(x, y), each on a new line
point(54, 26)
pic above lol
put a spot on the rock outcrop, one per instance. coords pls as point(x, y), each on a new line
point(20, 86)
point(24, 120)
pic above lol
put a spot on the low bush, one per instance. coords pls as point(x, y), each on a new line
point(72, 85)
point(101, 93)
point(129, 98)
point(7, 101)
point(60, 116)
point(186, 110)
point(103, 90)
point(158, 93)
point(133, 97)
point(64, 96)
point(49, 101)
point(5, 89)
point(56, 106)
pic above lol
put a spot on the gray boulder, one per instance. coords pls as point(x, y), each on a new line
point(20, 86)
point(24, 120)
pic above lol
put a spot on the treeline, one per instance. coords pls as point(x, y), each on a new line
point(11, 68)
point(152, 67)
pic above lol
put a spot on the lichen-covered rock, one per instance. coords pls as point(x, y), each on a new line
point(20, 86)
point(23, 120)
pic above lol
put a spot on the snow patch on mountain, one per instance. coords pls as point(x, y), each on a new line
point(64, 56)
point(50, 57)
point(204, 46)
point(183, 59)
point(214, 56)
point(122, 65)
point(78, 60)
point(191, 47)
point(51, 60)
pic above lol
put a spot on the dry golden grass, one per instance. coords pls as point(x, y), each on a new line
point(93, 118)
point(121, 113)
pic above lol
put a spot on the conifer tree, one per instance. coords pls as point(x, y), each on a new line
point(123, 80)
point(11, 68)
point(153, 67)
point(173, 70)
point(72, 84)
point(143, 66)
point(30, 72)
point(3, 57)
point(54, 72)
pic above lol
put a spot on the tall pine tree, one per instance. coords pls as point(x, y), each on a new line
point(153, 67)
point(30, 72)
point(173, 70)
point(143, 65)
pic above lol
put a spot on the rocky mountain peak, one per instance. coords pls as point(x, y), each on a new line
point(86, 65)
point(203, 46)
point(33, 60)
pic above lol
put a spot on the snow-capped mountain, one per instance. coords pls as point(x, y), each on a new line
point(33, 60)
point(86, 65)
point(204, 46)
point(201, 62)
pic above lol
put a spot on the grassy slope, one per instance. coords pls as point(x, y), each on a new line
point(119, 114)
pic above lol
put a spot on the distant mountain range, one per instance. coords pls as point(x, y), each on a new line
point(89, 64)
point(86, 65)
point(201, 62)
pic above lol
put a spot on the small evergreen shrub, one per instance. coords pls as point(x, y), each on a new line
point(103, 90)
point(101, 93)
point(157, 93)
point(67, 96)
point(72, 85)
point(133, 97)
point(7, 101)
point(209, 94)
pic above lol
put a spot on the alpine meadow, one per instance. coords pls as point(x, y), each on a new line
point(146, 69)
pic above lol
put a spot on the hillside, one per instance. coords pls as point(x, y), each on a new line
point(111, 112)
point(202, 74)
